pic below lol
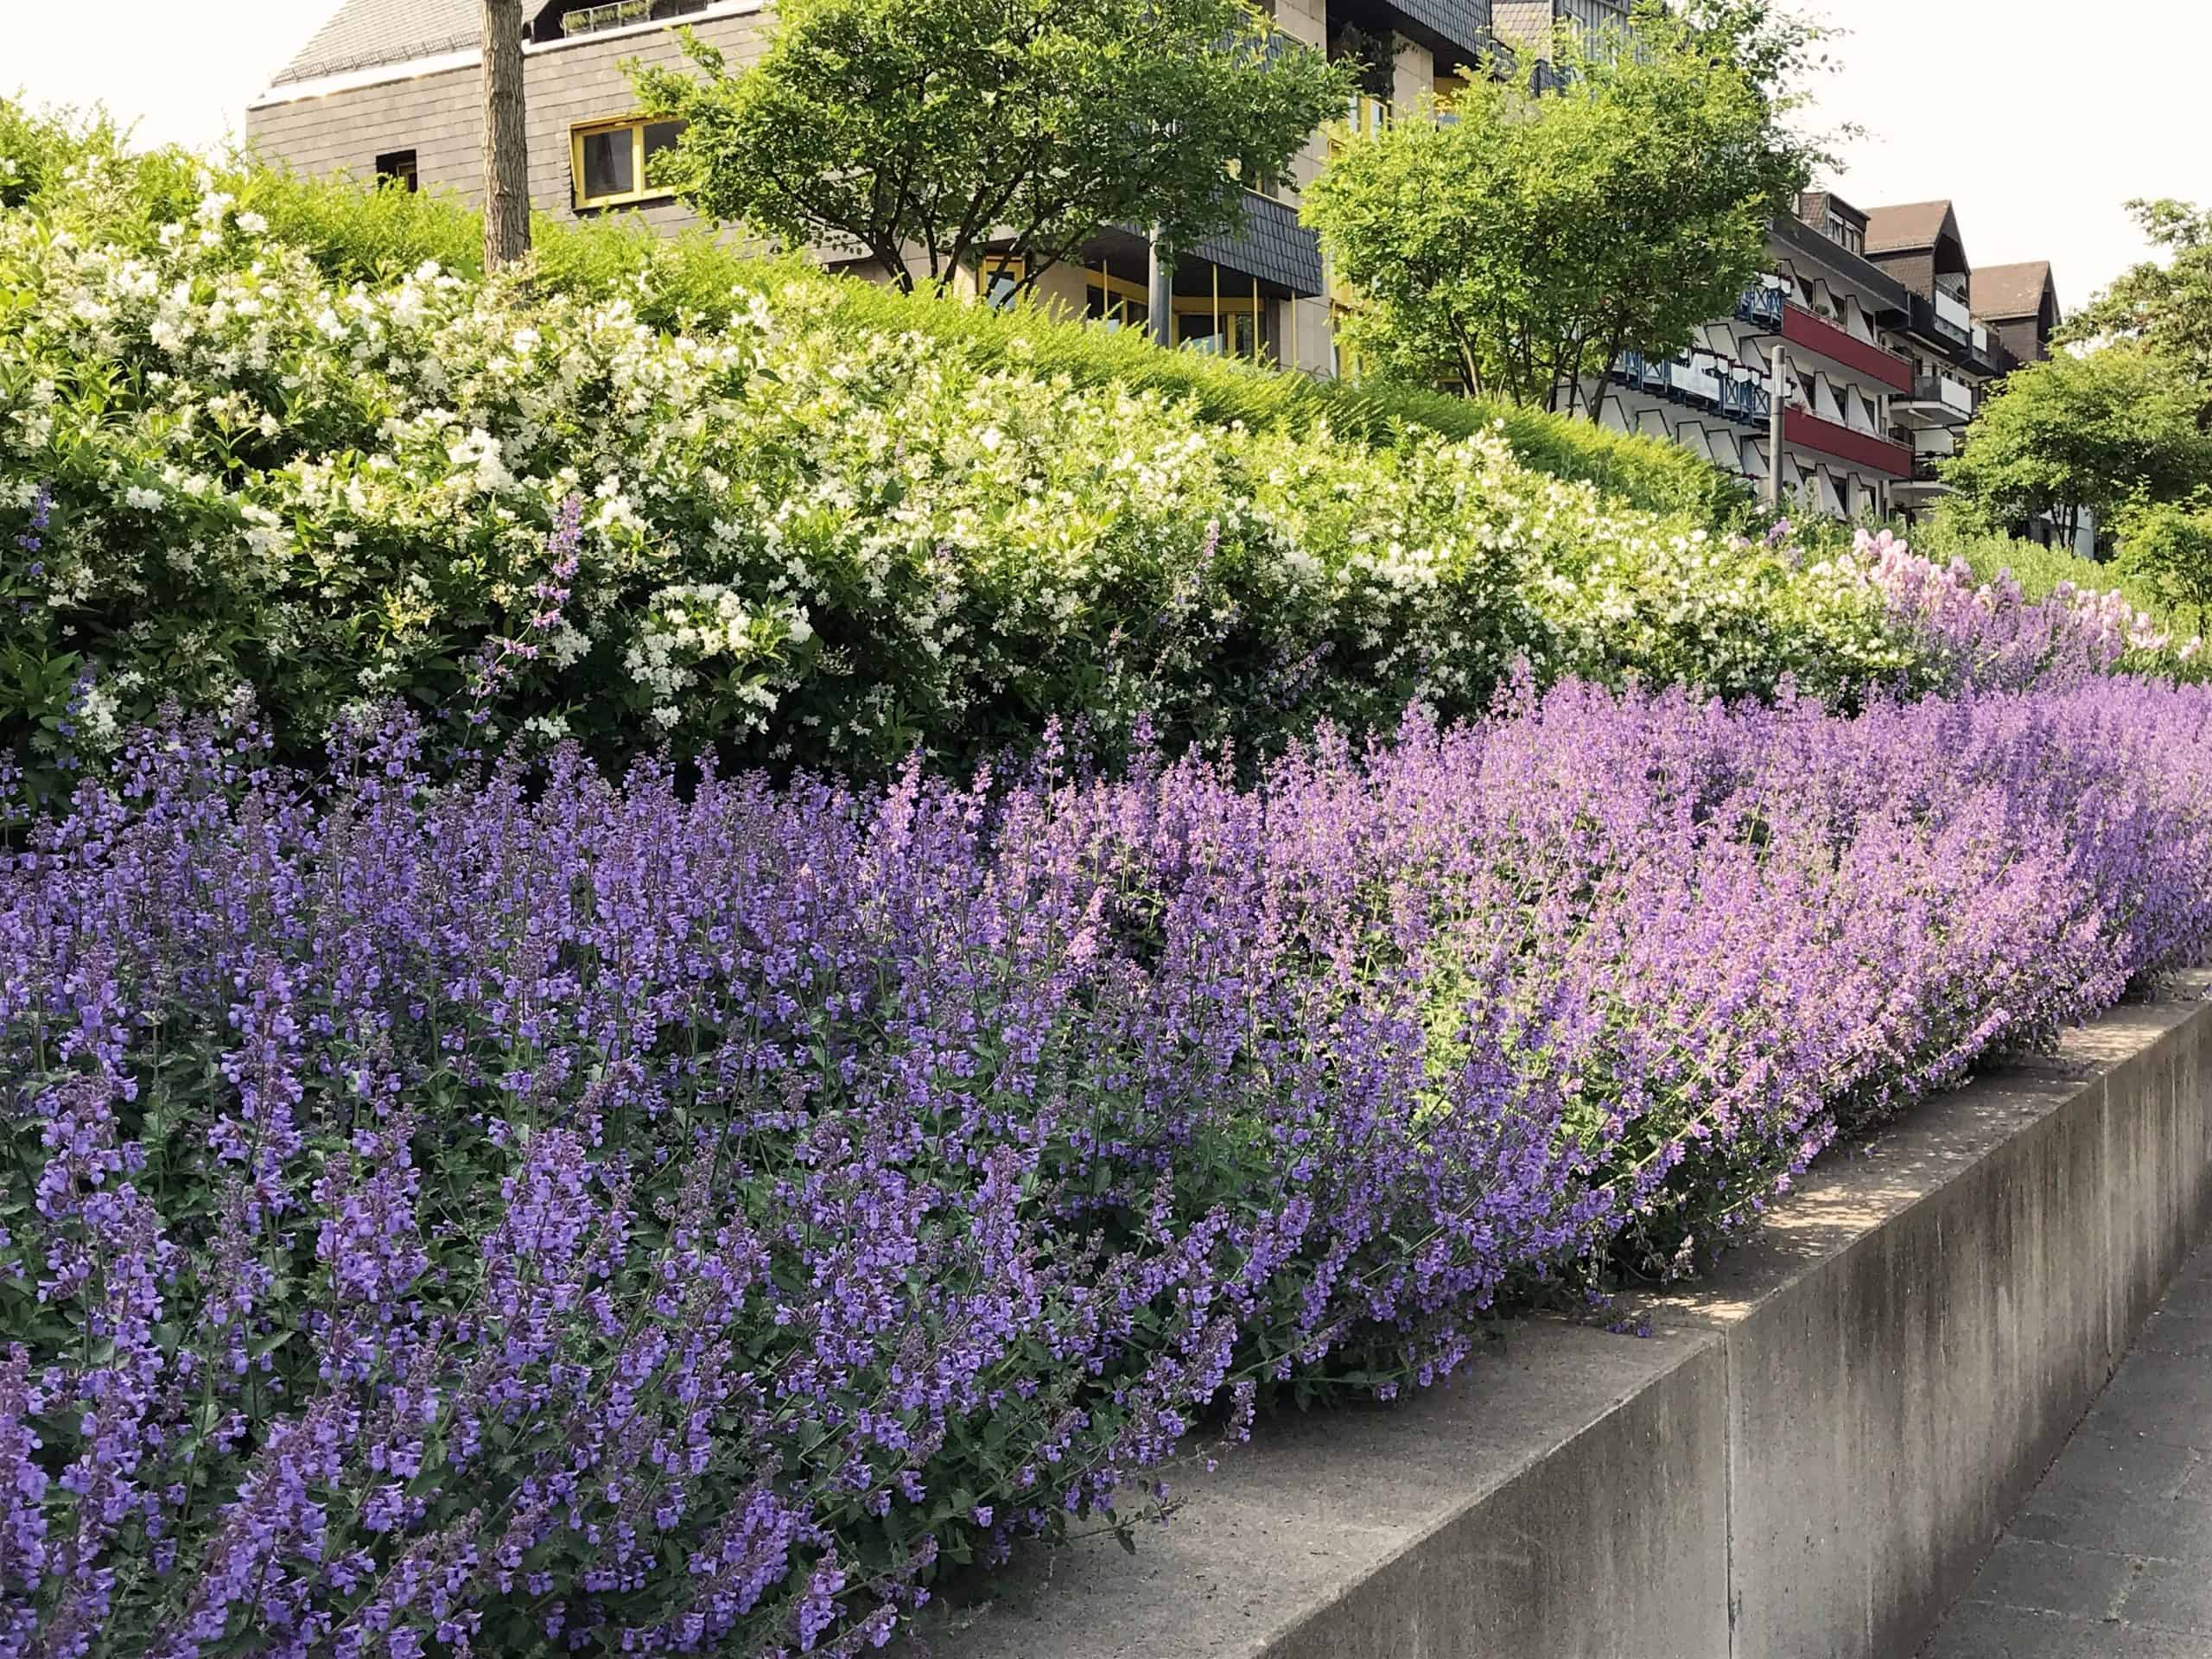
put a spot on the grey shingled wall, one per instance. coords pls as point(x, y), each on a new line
point(438, 115)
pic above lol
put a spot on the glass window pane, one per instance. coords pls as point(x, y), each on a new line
point(660, 136)
point(608, 171)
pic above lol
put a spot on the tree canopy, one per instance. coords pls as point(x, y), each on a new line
point(1520, 245)
point(2165, 304)
point(2094, 431)
point(2169, 544)
point(929, 130)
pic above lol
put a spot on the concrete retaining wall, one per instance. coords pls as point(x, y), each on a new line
point(1806, 1459)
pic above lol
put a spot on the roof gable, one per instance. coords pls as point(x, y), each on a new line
point(1911, 227)
point(2002, 293)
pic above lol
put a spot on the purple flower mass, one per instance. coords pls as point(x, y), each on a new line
point(551, 1213)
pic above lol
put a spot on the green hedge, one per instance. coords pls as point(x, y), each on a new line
point(359, 235)
point(270, 442)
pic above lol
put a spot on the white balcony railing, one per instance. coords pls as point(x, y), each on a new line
point(1698, 376)
point(1956, 394)
point(1952, 309)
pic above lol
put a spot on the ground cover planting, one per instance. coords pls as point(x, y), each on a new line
point(453, 1214)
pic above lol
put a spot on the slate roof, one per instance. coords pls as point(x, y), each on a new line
point(2002, 292)
point(1914, 225)
point(1272, 246)
point(367, 33)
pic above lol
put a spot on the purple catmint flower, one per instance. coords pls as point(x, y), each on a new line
point(33, 539)
point(620, 1215)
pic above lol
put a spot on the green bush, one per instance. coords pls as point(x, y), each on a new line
point(2038, 570)
point(682, 282)
point(267, 450)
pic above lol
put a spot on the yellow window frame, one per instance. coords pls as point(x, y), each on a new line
point(1115, 296)
point(635, 125)
point(992, 269)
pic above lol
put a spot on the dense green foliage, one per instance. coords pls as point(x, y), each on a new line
point(1519, 248)
point(237, 464)
point(2167, 547)
point(1947, 537)
point(688, 281)
point(2094, 432)
point(926, 131)
point(2165, 303)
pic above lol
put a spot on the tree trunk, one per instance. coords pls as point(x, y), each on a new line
point(506, 147)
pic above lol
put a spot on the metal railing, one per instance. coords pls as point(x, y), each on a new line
point(1744, 400)
point(620, 14)
point(1763, 305)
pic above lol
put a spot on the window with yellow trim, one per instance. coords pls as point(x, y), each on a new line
point(1115, 302)
point(611, 161)
point(1227, 327)
point(998, 279)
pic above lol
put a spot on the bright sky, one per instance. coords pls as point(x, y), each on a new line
point(2038, 118)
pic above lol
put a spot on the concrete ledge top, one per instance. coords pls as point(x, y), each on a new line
point(1322, 1506)
point(1316, 1505)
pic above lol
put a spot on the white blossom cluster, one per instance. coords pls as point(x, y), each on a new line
point(828, 542)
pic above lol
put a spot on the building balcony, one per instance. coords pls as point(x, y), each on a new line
point(625, 14)
point(1807, 430)
point(1952, 318)
point(1695, 379)
point(1270, 245)
point(1763, 306)
point(1935, 400)
point(1802, 329)
point(1923, 484)
point(1953, 343)
point(1688, 378)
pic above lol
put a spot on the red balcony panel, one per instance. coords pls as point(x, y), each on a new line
point(1817, 333)
point(1808, 431)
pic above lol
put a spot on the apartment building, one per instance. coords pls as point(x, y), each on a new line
point(1826, 306)
point(1889, 341)
point(390, 88)
point(1956, 356)
point(2020, 305)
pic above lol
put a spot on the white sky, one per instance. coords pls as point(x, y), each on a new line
point(2038, 118)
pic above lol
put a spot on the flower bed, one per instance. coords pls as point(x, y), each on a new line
point(466, 1215)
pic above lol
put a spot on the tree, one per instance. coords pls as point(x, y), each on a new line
point(1522, 246)
point(2167, 307)
point(2169, 544)
point(939, 128)
point(506, 146)
point(2093, 431)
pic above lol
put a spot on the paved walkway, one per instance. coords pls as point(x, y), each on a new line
point(2111, 1556)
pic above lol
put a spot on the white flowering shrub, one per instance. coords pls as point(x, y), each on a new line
point(799, 539)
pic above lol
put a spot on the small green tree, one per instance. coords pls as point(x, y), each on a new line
point(2166, 305)
point(2092, 432)
point(2169, 544)
point(1521, 246)
point(931, 130)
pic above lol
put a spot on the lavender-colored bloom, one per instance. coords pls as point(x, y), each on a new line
point(546, 1212)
